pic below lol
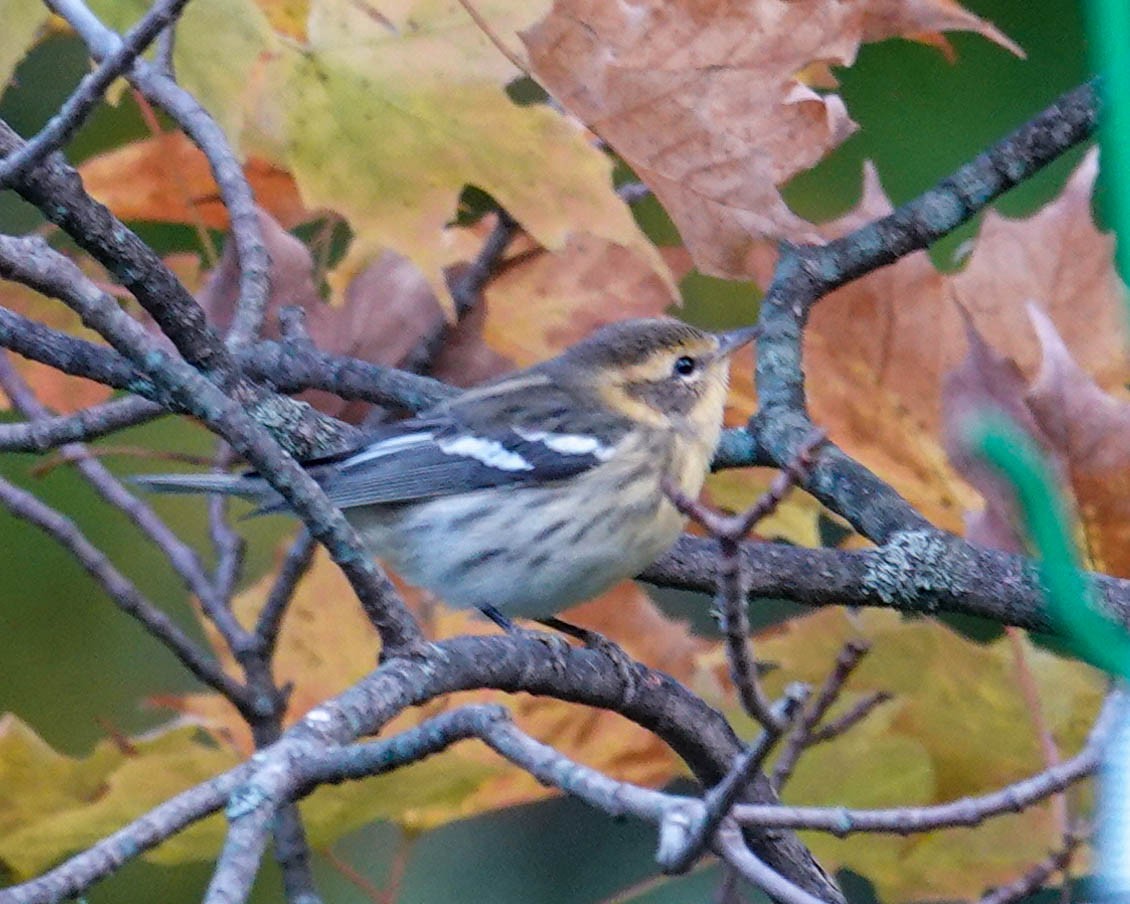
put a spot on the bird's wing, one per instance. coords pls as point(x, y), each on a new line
point(488, 438)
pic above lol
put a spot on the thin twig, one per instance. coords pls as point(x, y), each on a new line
point(180, 555)
point(398, 869)
point(964, 813)
point(121, 590)
point(731, 847)
point(721, 798)
point(228, 545)
point(730, 606)
point(292, 853)
point(285, 366)
point(466, 291)
point(31, 261)
point(727, 890)
point(484, 26)
point(732, 588)
point(849, 718)
point(1037, 877)
point(175, 174)
point(851, 654)
point(298, 560)
point(165, 50)
point(364, 884)
point(61, 457)
point(161, 90)
point(1031, 695)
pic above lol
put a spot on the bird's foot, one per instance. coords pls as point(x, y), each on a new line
point(597, 642)
point(558, 647)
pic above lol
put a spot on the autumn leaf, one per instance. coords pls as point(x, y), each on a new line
point(388, 311)
point(879, 349)
point(707, 104)
point(1073, 406)
point(51, 804)
point(986, 382)
point(220, 48)
point(1089, 430)
point(326, 644)
point(954, 728)
point(795, 520)
point(166, 179)
point(23, 23)
point(1083, 431)
point(58, 391)
point(427, 115)
point(543, 301)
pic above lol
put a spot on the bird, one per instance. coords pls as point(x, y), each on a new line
point(540, 489)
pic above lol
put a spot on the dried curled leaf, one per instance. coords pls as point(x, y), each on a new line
point(710, 107)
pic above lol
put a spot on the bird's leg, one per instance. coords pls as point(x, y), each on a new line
point(557, 646)
point(499, 619)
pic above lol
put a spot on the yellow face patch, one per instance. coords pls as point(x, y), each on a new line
point(661, 365)
point(682, 386)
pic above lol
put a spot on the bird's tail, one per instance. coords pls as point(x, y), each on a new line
point(247, 486)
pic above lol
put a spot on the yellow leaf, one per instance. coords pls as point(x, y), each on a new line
point(326, 644)
point(958, 726)
point(795, 520)
point(427, 115)
point(52, 805)
point(22, 24)
point(220, 45)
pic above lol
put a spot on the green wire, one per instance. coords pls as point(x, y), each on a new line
point(1108, 35)
point(1093, 636)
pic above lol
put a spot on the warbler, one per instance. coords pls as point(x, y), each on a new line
point(538, 490)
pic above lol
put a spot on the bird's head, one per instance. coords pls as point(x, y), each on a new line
point(661, 371)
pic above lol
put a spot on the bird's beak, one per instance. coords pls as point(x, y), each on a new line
point(730, 342)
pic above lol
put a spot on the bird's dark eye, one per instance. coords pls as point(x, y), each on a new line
point(685, 366)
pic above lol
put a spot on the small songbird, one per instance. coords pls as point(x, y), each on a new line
point(541, 489)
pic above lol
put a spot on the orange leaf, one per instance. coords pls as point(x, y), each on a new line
point(166, 179)
point(1086, 432)
point(877, 350)
point(56, 390)
point(543, 301)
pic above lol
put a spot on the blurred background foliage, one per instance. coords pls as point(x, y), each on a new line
point(76, 669)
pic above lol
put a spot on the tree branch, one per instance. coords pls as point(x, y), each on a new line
point(87, 95)
point(33, 263)
point(179, 554)
point(121, 590)
point(803, 731)
point(158, 86)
